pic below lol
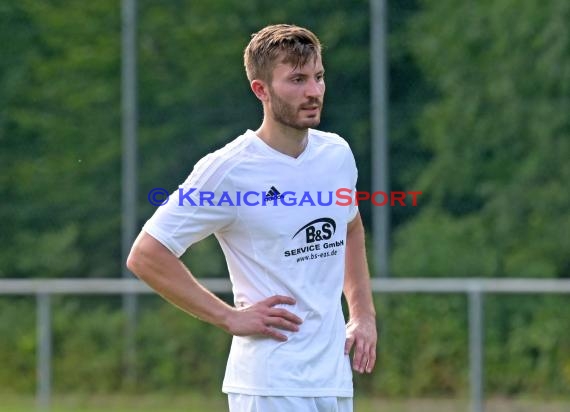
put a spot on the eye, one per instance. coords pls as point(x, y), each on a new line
point(320, 77)
point(297, 80)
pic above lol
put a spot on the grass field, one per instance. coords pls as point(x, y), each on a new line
point(217, 403)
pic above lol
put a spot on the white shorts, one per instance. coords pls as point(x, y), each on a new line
point(252, 403)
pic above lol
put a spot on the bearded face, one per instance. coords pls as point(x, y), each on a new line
point(296, 94)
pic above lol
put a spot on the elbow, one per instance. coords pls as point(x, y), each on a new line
point(139, 260)
point(134, 261)
point(147, 258)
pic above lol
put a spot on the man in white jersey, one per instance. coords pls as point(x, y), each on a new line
point(291, 249)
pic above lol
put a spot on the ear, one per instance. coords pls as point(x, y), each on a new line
point(259, 88)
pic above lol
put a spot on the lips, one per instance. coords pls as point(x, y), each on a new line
point(311, 105)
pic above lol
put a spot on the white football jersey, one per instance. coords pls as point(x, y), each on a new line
point(282, 232)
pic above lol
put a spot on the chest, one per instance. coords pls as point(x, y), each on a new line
point(290, 208)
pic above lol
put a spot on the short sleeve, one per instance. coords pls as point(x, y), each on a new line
point(194, 211)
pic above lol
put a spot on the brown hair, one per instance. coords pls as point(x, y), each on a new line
point(296, 43)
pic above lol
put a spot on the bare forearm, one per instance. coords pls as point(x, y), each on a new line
point(170, 278)
point(357, 289)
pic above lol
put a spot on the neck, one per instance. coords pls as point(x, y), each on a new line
point(284, 139)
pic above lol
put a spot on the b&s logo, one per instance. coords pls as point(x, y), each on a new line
point(319, 229)
point(315, 234)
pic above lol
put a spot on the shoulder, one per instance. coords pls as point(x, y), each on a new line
point(333, 149)
point(330, 143)
point(212, 168)
point(225, 156)
point(327, 138)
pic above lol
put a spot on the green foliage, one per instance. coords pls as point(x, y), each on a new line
point(88, 344)
point(423, 348)
point(55, 252)
point(60, 139)
point(498, 133)
point(436, 244)
point(178, 352)
point(174, 351)
point(60, 129)
point(478, 122)
point(17, 344)
point(529, 344)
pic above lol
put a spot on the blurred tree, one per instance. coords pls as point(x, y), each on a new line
point(60, 142)
point(60, 122)
point(478, 122)
point(498, 133)
point(195, 96)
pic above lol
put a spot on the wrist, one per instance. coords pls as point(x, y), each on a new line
point(366, 315)
point(227, 320)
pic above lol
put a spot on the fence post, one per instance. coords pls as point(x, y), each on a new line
point(43, 327)
point(476, 348)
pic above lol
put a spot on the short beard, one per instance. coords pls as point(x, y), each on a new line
point(286, 114)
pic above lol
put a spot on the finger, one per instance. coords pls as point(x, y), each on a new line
point(279, 299)
point(371, 359)
point(282, 324)
point(359, 360)
point(348, 345)
point(285, 314)
point(272, 333)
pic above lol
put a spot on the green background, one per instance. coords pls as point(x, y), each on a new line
point(478, 121)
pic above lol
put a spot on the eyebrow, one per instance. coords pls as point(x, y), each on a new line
point(299, 74)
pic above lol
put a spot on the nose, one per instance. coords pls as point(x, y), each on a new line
point(315, 88)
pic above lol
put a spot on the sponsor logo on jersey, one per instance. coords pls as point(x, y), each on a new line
point(319, 229)
point(316, 235)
